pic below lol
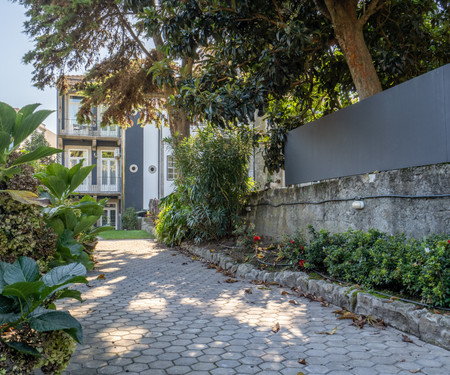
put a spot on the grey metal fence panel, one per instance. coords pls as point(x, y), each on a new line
point(405, 126)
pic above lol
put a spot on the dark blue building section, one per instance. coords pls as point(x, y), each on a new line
point(405, 126)
point(134, 169)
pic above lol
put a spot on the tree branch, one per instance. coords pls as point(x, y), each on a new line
point(278, 10)
point(373, 7)
point(125, 23)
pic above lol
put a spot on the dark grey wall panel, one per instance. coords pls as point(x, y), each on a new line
point(134, 154)
point(405, 126)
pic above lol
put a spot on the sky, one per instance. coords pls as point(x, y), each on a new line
point(16, 87)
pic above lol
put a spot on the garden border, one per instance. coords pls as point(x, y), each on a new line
point(431, 328)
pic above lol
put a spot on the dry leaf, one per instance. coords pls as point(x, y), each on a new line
point(248, 291)
point(275, 283)
point(264, 288)
point(211, 250)
point(276, 328)
point(284, 293)
point(101, 277)
point(293, 302)
point(414, 371)
point(300, 373)
point(229, 281)
point(407, 339)
point(302, 361)
point(260, 256)
point(332, 332)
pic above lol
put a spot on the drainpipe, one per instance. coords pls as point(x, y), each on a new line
point(122, 152)
point(159, 164)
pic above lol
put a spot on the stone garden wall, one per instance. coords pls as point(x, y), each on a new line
point(415, 201)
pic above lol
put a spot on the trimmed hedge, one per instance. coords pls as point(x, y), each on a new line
point(373, 259)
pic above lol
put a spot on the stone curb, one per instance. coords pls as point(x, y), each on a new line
point(431, 328)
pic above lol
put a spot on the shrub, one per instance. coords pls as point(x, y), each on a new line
point(209, 189)
point(23, 231)
point(130, 219)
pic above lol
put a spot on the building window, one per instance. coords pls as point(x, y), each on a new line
point(109, 215)
point(76, 156)
point(171, 170)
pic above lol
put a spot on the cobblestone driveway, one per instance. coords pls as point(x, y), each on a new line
point(160, 312)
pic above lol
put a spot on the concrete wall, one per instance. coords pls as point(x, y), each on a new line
point(329, 204)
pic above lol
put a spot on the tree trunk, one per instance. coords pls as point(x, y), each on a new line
point(349, 33)
point(179, 124)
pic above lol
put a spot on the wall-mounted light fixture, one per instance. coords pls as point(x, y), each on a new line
point(358, 205)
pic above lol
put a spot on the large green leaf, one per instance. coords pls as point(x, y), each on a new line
point(6, 305)
point(23, 289)
point(71, 293)
point(27, 110)
point(5, 140)
point(86, 261)
point(28, 125)
point(55, 320)
point(89, 208)
point(69, 218)
point(7, 117)
point(85, 222)
point(23, 269)
point(62, 274)
point(57, 224)
point(26, 197)
point(9, 318)
point(80, 176)
point(56, 185)
point(23, 348)
point(68, 243)
point(39, 153)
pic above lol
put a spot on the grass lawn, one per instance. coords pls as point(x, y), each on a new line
point(125, 235)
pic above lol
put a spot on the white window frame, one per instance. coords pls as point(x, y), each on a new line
point(88, 181)
point(171, 170)
point(105, 188)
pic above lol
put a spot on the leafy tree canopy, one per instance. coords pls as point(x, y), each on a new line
point(223, 61)
point(293, 60)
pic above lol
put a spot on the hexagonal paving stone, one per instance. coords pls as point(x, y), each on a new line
point(171, 315)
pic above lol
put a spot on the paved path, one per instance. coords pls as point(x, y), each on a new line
point(160, 312)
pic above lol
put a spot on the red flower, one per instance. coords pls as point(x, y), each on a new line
point(302, 248)
point(302, 262)
point(292, 241)
point(448, 241)
point(256, 238)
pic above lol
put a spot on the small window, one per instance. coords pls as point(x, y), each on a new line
point(171, 170)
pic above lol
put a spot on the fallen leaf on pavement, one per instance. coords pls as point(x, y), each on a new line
point(302, 361)
point(276, 328)
point(229, 281)
point(101, 277)
point(415, 371)
point(293, 302)
point(248, 291)
point(284, 293)
point(300, 373)
point(332, 332)
point(264, 288)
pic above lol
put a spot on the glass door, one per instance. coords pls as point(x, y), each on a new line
point(109, 216)
point(109, 176)
point(75, 157)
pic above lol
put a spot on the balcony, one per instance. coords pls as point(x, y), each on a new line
point(108, 186)
point(72, 128)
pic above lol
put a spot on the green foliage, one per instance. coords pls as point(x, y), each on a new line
point(282, 58)
point(36, 140)
point(15, 127)
point(376, 260)
point(245, 232)
point(28, 299)
point(61, 181)
point(23, 231)
point(210, 187)
point(130, 219)
point(72, 221)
